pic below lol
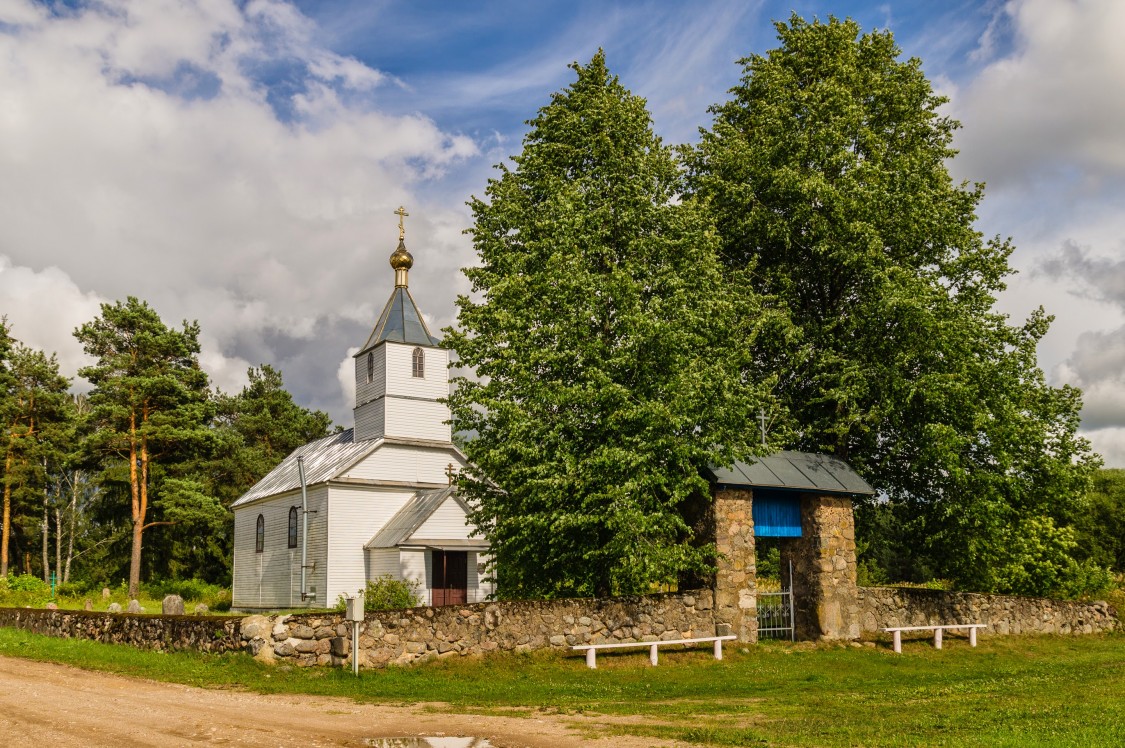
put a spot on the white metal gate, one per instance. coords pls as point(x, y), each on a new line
point(775, 612)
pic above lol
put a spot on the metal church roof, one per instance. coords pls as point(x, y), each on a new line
point(324, 460)
point(801, 471)
point(400, 322)
point(414, 513)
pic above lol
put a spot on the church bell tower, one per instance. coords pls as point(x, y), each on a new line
point(400, 372)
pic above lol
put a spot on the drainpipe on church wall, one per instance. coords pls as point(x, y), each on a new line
point(304, 526)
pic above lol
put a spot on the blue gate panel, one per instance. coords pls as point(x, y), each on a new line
point(776, 515)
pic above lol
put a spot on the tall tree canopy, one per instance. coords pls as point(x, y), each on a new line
point(260, 426)
point(149, 411)
point(603, 340)
point(826, 176)
point(35, 416)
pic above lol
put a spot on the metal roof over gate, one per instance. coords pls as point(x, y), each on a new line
point(794, 471)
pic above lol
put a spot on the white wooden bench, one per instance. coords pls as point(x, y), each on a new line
point(972, 627)
point(592, 649)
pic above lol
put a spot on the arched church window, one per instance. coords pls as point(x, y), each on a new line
point(292, 527)
point(260, 535)
point(419, 363)
point(370, 367)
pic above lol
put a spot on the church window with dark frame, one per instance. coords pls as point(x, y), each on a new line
point(419, 363)
point(292, 527)
point(260, 534)
point(370, 368)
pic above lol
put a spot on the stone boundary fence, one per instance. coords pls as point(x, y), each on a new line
point(156, 632)
point(407, 636)
point(881, 607)
point(418, 634)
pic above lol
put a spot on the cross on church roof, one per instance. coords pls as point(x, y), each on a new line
point(401, 213)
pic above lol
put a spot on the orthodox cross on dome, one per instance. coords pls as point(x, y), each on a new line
point(401, 213)
point(450, 473)
point(401, 259)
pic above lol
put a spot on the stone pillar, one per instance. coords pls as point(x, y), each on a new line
point(825, 596)
point(736, 583)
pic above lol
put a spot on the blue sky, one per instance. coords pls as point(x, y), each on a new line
point(238, 162)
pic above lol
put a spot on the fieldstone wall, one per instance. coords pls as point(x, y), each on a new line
point(881, 607)
point(824, 570)
point(409, 636)
point(736, 578)
point(158, 632)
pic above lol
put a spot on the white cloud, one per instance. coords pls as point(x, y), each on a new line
point(142, 150)
point(44, 308)
point(19, 12)
point(1053, 104)
point(345, 375)
point(1110, 444)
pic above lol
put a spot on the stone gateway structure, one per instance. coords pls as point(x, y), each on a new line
point(806, 501)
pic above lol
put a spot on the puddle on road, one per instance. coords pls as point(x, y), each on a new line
point(422, 742)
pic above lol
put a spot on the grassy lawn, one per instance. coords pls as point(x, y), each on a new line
point(1014, 691)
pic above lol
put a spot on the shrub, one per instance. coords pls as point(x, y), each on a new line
point(73, 589)
point(220, 601)
point(387, 593)
point(194, 590)
point(1039, 563)
point(24, 589)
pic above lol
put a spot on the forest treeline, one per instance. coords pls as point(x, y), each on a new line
point(134, 478)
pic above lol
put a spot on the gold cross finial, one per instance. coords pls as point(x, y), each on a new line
point(401, 213)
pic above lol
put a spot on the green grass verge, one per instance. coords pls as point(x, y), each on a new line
point(1015, 691)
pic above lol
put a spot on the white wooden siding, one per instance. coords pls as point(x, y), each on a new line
point(382, 562)
point(369, 420)
point(272, 578)
point(356, 514)
point(366, 391)
point(399, 462)
point(446, 523)
point(416, 419)
point(479, 589)
point(400, 372)
point(415, 565)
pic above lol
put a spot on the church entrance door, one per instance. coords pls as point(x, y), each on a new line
point(451, 578)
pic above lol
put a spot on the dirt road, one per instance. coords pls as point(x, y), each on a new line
point(59, 706)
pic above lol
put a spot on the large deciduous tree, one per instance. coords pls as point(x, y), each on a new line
point(608, 354)
point(826, 173)
point(149, 406)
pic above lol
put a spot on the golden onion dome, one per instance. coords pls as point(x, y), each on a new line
point(400, 258)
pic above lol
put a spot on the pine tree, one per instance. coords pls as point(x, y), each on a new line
point(149, 410)
point(35, 419)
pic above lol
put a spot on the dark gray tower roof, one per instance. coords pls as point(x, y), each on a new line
point(400, 322)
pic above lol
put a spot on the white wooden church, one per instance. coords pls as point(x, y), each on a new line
point(376, 499)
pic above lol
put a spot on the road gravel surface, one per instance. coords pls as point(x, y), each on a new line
point(59, 706)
